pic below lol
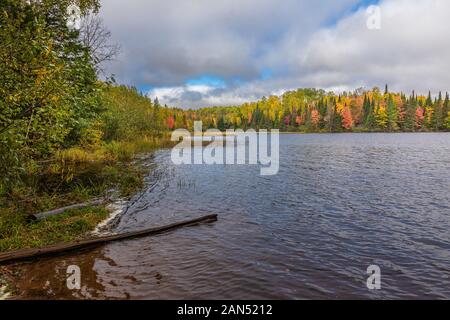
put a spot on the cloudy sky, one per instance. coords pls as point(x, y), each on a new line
point(194, 53)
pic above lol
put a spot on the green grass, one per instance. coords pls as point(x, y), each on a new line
point(92, 181)
point(112, 151)
point(17, 233)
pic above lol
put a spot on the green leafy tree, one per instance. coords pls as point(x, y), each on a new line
point(48, 85)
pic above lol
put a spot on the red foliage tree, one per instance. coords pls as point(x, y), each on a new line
point(287, 120)
point(347, 119)
point(420, 115)
point(170, 121)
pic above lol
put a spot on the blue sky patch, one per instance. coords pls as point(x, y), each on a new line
point(207, 80)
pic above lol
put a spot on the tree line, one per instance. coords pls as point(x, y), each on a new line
point(314, 110)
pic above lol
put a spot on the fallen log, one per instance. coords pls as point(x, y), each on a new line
point(43, 215)
point(25, 254)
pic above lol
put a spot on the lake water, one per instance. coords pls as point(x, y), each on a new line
point(339, 203)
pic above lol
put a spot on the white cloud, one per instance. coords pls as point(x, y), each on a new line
point(168, 42)
point(193, 96)
point(410, 51)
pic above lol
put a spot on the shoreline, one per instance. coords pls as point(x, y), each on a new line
point(116, 180)
point(102, 218)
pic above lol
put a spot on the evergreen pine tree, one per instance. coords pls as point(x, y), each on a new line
point(437, 117)
point(392, 114)
point(409, 123)
point(429, 102)
point(337, 120)
point(445, 112)
point(367, 110)
point(370, 121)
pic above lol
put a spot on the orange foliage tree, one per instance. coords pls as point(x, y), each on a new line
point(315, 118)
point(347, 119)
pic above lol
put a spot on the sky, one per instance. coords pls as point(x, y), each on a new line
point(197, 53)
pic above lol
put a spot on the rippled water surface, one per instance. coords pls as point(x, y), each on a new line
point(339, 204)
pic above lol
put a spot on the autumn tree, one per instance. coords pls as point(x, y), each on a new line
point(315, 118)
point(347, 118)
point(170, 122)
point(420, 115)
point(381, 117)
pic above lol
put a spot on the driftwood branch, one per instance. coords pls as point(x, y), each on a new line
point(43, 215)
point(24, 254)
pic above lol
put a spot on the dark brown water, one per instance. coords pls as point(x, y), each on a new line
point(339, 204)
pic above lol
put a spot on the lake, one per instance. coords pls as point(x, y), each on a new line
point(339, 203)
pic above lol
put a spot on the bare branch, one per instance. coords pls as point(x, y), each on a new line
point(96, 37)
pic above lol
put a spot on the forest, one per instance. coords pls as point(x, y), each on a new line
point(314, 110)
point(52, 101)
